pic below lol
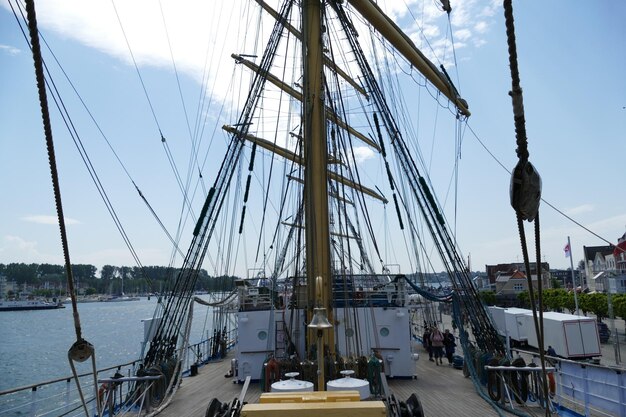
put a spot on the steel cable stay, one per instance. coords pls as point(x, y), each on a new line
point(153, 111)
point(84, 155)
point(279, 244)
point(346, 148)
point(401, 109)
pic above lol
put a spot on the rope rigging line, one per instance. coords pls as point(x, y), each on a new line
point(425, 84)
point(282, 253)
point(271, 169)
point(354, 174)
point(193, 157)
point(168, 332)
point(526, 193)
point(341, 142)
point(402, 112)
point(64, 113)
point(84, 155)
point(543, 200)
point(169, 156)
point(132, 56)
point(81, 350)
point(487, 336)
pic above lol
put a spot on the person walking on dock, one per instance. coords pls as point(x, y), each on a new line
point(436, 339)
point(427, 343)
point(449, 345)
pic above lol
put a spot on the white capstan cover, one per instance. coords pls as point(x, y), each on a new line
point(347, 383)
point(292, 384)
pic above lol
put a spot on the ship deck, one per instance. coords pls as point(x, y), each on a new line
point(442, 391)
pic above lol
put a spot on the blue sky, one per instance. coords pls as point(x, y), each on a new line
point(571, 58)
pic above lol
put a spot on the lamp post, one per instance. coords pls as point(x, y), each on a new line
point(571, 261)
point(612, 289)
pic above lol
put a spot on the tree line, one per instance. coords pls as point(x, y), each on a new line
point(51, 280)
point(561, 300)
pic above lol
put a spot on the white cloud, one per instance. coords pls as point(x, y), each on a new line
point(363, 153)
point(481, 27)
point(469, 19)
point(201, 36)
point(585, 208)
point(17, 249)
point(21, 244)
point(462, 34)
point(10, 49)
point(41, 219)
point(431, 31)
point(613, 225)
point(190, 27)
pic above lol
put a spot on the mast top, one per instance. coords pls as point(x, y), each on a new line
point(405, 46)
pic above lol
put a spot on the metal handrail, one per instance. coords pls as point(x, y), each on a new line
point(67, 378)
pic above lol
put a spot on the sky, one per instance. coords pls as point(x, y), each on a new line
point(571, 61)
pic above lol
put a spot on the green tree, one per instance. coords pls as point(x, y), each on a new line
point(83, 272)
point(569, 302)
point(48, 269)
point(22, 273)
point(595, 303)
point(107, 272)
point(488, 297)
point(553, 299)
point(619, 305)
point(523, 299)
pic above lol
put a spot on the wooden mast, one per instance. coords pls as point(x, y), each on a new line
point(317, 229)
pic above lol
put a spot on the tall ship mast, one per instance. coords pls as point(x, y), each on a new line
point(313, 91)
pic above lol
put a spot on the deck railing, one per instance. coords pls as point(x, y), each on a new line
point(59, 397)
point(56, 397)
point(587, 388)
point(209, 349)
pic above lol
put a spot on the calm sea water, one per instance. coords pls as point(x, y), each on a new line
point(34, 344)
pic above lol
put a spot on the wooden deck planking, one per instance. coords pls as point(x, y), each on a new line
point(442, 391)
point(195, 393)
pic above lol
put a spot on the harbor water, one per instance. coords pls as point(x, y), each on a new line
point(34, 344)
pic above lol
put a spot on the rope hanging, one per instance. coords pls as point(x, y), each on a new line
point(526, 192)
point(81, 350)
